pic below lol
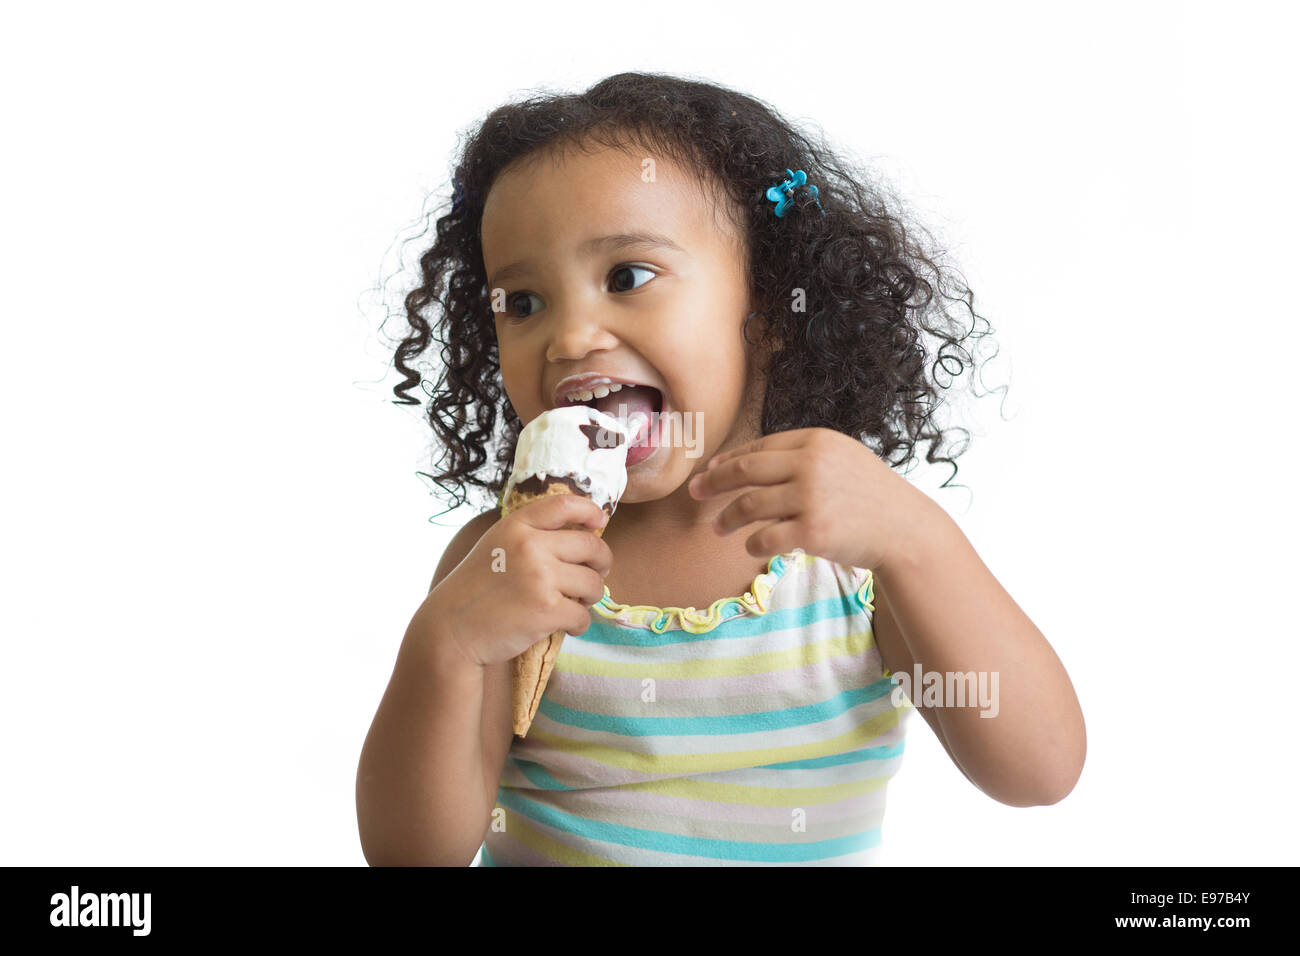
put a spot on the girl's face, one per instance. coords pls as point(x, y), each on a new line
point(664, 309)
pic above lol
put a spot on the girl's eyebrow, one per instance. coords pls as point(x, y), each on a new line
point(613, 243)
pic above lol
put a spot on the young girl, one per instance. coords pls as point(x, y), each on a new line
point(770, 597)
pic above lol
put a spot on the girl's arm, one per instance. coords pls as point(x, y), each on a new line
point(428, 774)
point(940, 608)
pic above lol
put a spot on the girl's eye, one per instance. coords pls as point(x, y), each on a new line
point(620, 287)
point(512, 311)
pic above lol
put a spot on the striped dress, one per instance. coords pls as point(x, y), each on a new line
point(759, 732)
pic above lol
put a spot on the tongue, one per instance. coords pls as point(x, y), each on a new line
point(629, 398)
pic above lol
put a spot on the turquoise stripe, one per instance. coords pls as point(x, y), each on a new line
point(687, 845)
point(835, 760)
point(712, 725)
point(542, 780)
point(486, 859)
point(612, 634)
point(538, 775)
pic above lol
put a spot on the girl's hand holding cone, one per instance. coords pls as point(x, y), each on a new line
point(534, 572)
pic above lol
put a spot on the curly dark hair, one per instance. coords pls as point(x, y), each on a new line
point(854, 360)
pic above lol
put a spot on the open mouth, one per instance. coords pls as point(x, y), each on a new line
point(638, 407)
point(628, 399)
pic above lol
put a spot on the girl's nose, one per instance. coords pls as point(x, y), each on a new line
point(576, 334)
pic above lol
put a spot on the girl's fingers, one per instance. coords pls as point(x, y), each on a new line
point(769, 503)
point(583, 547)
point(580, 584)
point(757, 468)
point(556, 511)
point(777, 441)
point(778, 537)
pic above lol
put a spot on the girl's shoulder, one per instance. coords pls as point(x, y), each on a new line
point(463, 542)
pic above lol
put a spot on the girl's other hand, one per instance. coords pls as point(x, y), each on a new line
point(533, 572)
point(816, 489)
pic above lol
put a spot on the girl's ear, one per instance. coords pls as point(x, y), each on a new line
point(768, 341)
point(759, 332)
point(765, 345)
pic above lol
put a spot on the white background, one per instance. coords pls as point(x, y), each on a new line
point(213, 534)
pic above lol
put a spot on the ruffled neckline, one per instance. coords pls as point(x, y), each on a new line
point(755, 602)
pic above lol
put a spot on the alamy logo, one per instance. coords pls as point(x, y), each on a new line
point(946, 689)
point(101, 909)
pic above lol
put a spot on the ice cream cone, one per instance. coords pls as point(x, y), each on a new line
point(532, 669)
point(572, 450)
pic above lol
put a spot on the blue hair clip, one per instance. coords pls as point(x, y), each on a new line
point(783, 193)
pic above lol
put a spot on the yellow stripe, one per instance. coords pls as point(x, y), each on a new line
point(758, 796)
point(725, 760)
point(519, 828)
point(771, 661)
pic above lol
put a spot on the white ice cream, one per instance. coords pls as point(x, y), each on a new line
point(554, 444)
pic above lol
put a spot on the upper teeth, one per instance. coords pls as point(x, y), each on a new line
point(600, 391)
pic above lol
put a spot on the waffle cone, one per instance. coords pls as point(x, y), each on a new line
point(532, 669)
